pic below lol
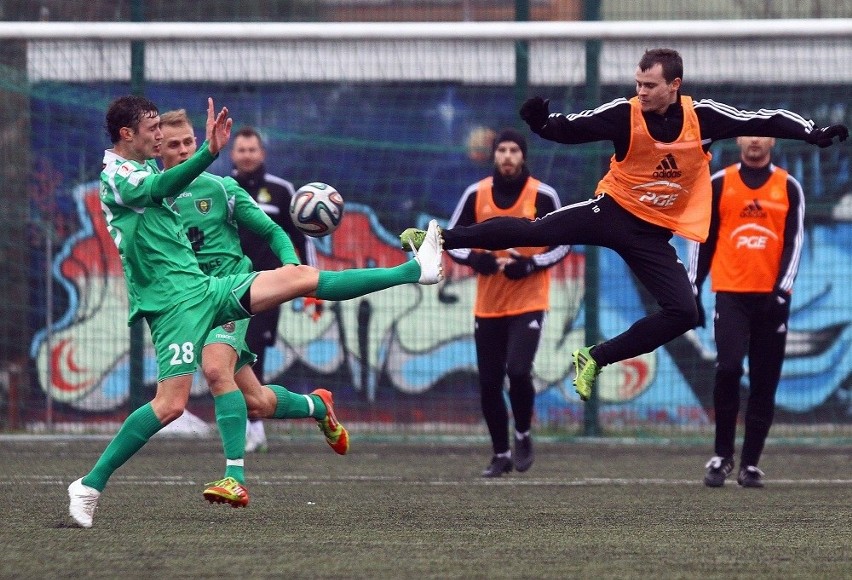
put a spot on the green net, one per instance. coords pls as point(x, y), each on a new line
point(400, 128)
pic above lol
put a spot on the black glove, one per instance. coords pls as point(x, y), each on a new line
point(534, 112)
point(483, 263)
point(702, 317)
point(519, 268)
point(823, 137)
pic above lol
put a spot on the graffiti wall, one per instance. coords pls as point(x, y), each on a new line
point(407, 353)
point(400, 344)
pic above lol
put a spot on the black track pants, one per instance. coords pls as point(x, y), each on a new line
point(747, 324)
point(507, 346)
point(602, 222)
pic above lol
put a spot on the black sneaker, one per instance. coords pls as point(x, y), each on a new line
point(718, 468)
point(498, 466)
point(750, 476)
point(523, 454)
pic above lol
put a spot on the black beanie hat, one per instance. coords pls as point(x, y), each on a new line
point(513, 135)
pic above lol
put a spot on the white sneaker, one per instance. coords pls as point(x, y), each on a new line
point(84, 502)
point(256, 437)
point(429, 255)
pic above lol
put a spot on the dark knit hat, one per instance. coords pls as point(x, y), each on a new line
point(513, 135)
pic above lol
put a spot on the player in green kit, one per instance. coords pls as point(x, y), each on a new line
point(180, 303)
point(212, 209)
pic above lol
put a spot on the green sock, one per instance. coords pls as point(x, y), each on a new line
point(353, 283)
point(295, 406)
point(231, 418)
point(136, 430)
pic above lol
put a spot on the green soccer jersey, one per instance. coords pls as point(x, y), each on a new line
point(212, 209)
point(160, 268)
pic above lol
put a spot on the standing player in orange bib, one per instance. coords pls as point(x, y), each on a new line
point(752, 255)
point(658, 184)
point(512, 297)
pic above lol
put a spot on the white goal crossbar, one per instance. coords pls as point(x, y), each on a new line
point(766, 52)
point(555, 30)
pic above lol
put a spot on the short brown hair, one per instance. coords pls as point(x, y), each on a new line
point(248, 132)
point(127, 111)
point(668, 58)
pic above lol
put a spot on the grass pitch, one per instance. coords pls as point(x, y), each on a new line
point(419, 510)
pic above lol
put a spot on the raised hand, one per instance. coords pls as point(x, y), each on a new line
point(824, 136)
point(218, 128)
point(534, 112)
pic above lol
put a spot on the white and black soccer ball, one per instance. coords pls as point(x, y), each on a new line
point(316, 209)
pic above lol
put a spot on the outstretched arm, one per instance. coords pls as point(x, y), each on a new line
point(721, 121)
point(608, 122)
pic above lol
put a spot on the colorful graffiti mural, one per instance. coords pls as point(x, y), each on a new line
point(410, 338)
point(413, 336)
point(408, 348)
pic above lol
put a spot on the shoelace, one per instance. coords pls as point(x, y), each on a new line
point(715, 462)
point(90, 503)
point(226, 482)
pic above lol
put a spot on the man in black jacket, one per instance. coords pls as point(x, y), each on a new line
point(273, 195)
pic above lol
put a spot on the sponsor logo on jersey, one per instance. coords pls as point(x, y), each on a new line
point(661, 194)
point(752, 242)
point(753, 210)
point(752, 237)
point(125, 169)
point(203, 205)
point(667, 168)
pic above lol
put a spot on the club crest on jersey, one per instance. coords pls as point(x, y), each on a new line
point(263, 195)
point(203, 205)
point(229, 326)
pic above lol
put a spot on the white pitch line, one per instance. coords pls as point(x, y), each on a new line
point(165, 480)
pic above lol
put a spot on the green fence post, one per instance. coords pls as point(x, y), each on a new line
point(591, 423)
point(522, 56)
point(137, 330)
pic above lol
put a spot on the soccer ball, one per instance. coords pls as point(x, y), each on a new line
point(316, 209)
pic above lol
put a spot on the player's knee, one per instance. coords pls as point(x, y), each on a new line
point(728, 373)
point(519, 374)
point(684, 315)
point(170, 410)
point(296, 271)
point(301, 279)
point(216, 374)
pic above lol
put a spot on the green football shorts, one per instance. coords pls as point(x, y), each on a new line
point(180, 333)
point(233, 333)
